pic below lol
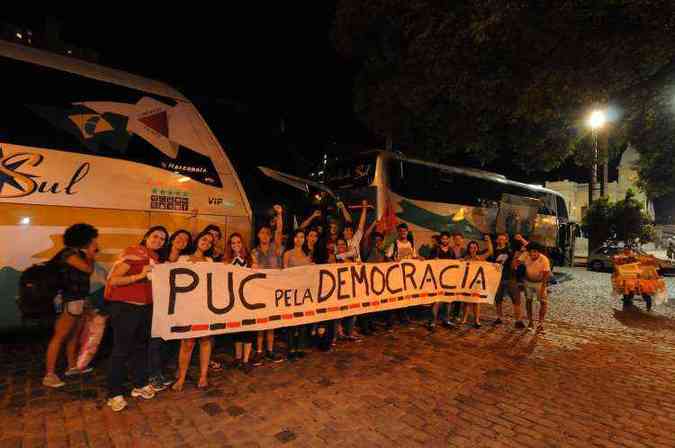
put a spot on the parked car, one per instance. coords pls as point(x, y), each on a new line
point(601, 260)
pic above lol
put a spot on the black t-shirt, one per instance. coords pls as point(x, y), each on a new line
point(503, 256)
point(75, 282)
point(439, 253)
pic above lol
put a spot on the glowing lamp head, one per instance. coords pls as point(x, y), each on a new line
point(597, 119)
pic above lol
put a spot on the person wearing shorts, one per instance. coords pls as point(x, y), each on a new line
point(537, 273)
point(508, 286)
point(77, 264)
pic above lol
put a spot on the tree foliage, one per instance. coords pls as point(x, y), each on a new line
point(624, 221)
point(479, 77)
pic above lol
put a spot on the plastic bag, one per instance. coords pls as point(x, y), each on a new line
point(92, 333)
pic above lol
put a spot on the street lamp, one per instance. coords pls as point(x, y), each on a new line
point(597, 119)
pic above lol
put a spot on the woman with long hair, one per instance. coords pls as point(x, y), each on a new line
point(130, 296)
point(312, 240)
point(473, 254)
point(299, 255)
point(178, 245)
point(201, 252)
point(237, 254)
point(77, 264)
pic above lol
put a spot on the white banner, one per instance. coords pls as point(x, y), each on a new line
point(200, 299)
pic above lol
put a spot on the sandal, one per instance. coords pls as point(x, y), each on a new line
point(215, 366)
point(177, 387)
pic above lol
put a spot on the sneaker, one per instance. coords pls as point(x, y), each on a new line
point(117, 403)
point(52, 380)
point(498, 321)
point(520, 325)
point(477, 325)
point(431, 326)
point(448, 324)
point(274, 357)
point(166, 381)
point(258, 359)
point(157, 384)
point(74, 371)
point(145, 392)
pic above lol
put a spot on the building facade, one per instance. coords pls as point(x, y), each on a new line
point(576, 194)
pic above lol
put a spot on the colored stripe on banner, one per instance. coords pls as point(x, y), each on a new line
point(299, 314)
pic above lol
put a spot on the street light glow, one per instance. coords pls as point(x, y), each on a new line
point(597, 119)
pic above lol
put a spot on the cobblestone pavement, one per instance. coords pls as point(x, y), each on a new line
point(599, 376)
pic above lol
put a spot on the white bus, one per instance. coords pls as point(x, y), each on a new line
point(84, 143)
point(431, 198)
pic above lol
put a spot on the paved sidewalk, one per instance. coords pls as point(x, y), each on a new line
point(576, 385)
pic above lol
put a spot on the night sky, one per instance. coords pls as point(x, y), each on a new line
point(246, 69)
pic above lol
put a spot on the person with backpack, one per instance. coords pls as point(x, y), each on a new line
point(76, 264)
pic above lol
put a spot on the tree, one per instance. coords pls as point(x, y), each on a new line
point(629, 221)
point(597, 223)
point(480, 78)
point(624, 221)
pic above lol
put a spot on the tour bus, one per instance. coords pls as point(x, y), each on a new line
point(84, 143)
point(431, 198)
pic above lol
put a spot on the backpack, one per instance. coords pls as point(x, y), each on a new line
point(38, 287)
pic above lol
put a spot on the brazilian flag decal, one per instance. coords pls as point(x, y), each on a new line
point(98, 132)
point(438, 223)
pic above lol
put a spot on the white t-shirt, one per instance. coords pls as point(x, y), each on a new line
point(535, 268)
point(404, 250)
point(353, 247)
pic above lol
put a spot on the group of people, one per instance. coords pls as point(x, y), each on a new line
point(128, 293)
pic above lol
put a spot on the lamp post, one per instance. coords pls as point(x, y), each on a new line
point(595, 121)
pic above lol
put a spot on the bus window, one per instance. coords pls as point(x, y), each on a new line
point(350, 173)
point(53, 109)
point(546, 200)
point(427, 183)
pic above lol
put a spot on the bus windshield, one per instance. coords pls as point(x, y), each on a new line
point(352, 172)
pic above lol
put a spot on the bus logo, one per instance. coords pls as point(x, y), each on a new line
point(16, 183)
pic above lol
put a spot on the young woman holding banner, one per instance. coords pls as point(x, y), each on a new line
point(201, 253)
point(129, 292)
point(237, 254)
point(472, 254)
point(179, 244)
point(346, 331)
point(300, 255)
point(267, 255)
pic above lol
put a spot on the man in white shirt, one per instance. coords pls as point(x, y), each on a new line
point(537, 273)
point(354, 237)
point(402, 248)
